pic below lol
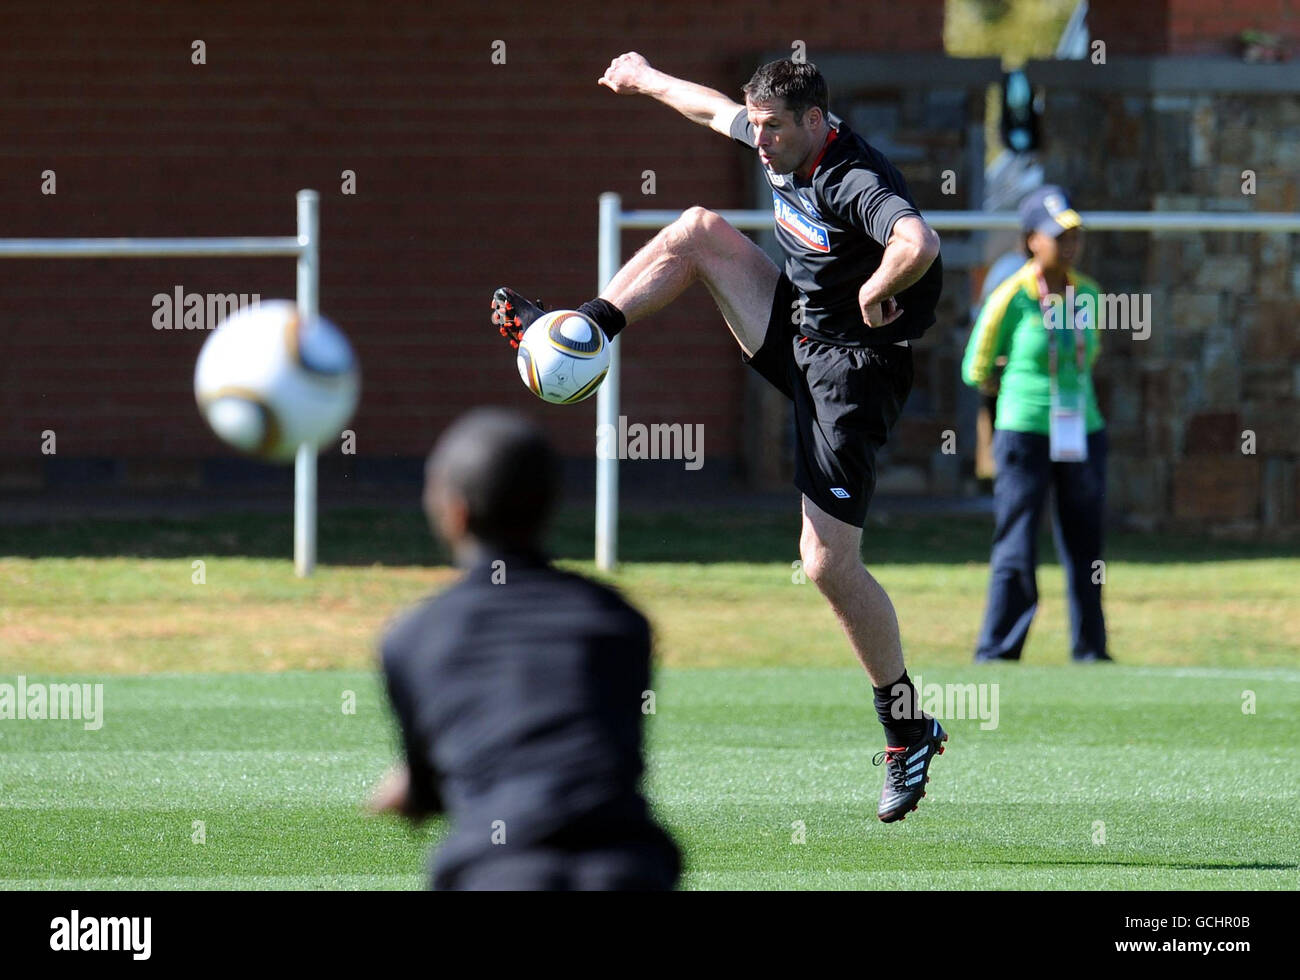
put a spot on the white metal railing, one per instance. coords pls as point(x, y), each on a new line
point(305, 248)
point(613, 220)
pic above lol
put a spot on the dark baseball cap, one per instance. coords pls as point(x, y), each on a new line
point(1048, 210)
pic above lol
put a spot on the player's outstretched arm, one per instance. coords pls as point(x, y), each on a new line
point(631, 74)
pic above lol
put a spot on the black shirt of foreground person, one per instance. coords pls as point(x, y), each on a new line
point(519, 694)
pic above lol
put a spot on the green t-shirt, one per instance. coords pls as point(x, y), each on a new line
point(1011, 325)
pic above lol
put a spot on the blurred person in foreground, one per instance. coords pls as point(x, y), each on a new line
point(518, 690)
point(1048, 433)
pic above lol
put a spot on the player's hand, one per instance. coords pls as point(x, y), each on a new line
point(625, 74)
point(392, 794)
point(882, 313)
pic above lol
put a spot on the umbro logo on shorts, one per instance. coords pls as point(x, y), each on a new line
point(840, 492)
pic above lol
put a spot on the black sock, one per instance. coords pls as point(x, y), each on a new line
point(899, 710)
point(605, 315)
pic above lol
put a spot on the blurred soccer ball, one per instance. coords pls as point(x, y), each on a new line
point(563, 357)
point(267, 381)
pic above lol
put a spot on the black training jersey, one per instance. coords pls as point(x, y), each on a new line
point(519, 696)
point(833, 229)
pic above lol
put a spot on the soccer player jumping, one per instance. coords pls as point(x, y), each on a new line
point(862, 277)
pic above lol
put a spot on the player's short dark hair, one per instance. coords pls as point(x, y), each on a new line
point(799, 85)
point(504, 468)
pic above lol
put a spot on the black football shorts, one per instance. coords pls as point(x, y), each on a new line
point(846, 401)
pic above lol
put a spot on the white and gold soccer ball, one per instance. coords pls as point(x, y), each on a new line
point(563, 357)
point(268, 381)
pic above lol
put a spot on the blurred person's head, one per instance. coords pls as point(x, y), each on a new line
point(1052, 228)
point(490, 484)
point(786, 101)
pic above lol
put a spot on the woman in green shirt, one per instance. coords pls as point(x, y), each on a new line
point(1043, 322)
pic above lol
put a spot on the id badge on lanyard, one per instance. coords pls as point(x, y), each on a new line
point(1067, 422)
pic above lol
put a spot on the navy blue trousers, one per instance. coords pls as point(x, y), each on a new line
point(1025, 474)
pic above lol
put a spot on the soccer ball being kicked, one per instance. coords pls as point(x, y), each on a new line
point(563, 357)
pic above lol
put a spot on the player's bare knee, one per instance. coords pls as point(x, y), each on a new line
point(696, 217)
point(819, 563)
point(831, 569)
point(701, 226)
point(681, 238)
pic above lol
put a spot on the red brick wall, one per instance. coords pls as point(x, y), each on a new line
point(1188, 26)
point(469, 175)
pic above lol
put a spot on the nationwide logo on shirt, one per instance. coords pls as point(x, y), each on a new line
point(810, 233)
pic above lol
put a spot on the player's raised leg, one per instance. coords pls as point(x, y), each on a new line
point(831, 554)
point(698, 247)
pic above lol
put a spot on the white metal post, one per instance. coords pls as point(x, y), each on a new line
point(607, 396)
point(305, 248)
point(304, 474)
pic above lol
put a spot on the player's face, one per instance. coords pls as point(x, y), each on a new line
point(447, 512)
point(783, 144)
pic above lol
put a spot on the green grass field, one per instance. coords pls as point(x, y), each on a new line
point(223, 706)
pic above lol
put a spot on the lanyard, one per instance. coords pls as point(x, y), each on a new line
point(1079, 342)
